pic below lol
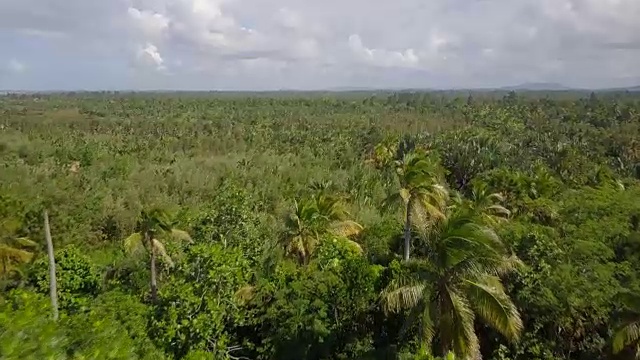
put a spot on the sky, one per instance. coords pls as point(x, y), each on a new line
point(311, 44)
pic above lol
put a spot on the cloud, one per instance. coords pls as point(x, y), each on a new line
point(383, 57)
point(149, 56)
point(149, 23)
point(287, 43)
point(16, 67)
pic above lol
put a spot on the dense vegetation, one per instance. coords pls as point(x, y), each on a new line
point(258, 227)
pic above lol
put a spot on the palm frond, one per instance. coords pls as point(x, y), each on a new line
point(346, 228)
point(422, 314)
point(354, 245)
point(507, 265)
point(473, 239)
point(181, 235)
point(457, 325)
point(497, 197)
point(626, 335)
point(493, 305)
point(133, 243)
point(15, 255)
point(160, 250)
point(404, 292)
point(428, 210)
point(310, 242)
point(498, 210)
point(245, 293)
point(153, 220)
point(294, 245)
point(26, 242)
point(394, 200)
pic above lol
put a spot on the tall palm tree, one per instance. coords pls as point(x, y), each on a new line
point(456, 282)
point(152, 226)
point(628, 334)
point(420, 193)
point(313, 218)
point(15, 251)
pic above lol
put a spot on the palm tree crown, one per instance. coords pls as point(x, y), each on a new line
point(151, 226)
point(484, 204)
point(313, 218)
point(457, 281)
point(420, 192)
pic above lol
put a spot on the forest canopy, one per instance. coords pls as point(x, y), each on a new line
point(407, 225)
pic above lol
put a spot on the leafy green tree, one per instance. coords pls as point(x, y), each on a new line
point(28, 332)
point(229, 219)
point(457, 281)
point(196, 310)
point(420, 193)
point(78, 280)
point(320, 311)
point(627, 334)
point(152, 226)
point(467, 153)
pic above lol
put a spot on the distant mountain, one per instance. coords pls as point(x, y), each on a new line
point(542, 86)
point(350, 88)
point(632, 88)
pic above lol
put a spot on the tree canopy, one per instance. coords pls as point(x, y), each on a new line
point(329, 226)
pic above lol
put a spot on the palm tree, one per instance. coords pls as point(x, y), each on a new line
point(14, 252)
point(628, 334)
point(152, 225)
point(484, 204)
point(313, 218)
point(457, 282)
point(420, 192)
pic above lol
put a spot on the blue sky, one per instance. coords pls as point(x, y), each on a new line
point(307, 44)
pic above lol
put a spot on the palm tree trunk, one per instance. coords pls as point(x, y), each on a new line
point(53, 292)
point(407, 232)
point(154, 281)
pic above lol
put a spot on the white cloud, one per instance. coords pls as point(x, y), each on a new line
point(151, 24)
point(16, 66)
point(383, 57)
point(148, 55)
point(260, 43)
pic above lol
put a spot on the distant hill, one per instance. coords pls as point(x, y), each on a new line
point(559, 87)
point(632, 89)
point(542, 86)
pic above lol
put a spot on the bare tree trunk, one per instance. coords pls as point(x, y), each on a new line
point(407, 232)
point(52, 267)
point(154, 281)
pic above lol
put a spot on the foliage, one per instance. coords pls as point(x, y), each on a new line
point(196, 310)
point(26, 329)
point(316, 312)
point(314, 218)
point(554, 176)
point(78, 280)
point(28, 332)
point(458, 280)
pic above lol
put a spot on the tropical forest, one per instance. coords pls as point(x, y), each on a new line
point(321, 226)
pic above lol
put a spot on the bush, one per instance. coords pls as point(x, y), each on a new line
point(77, 279)
point(196, 309)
